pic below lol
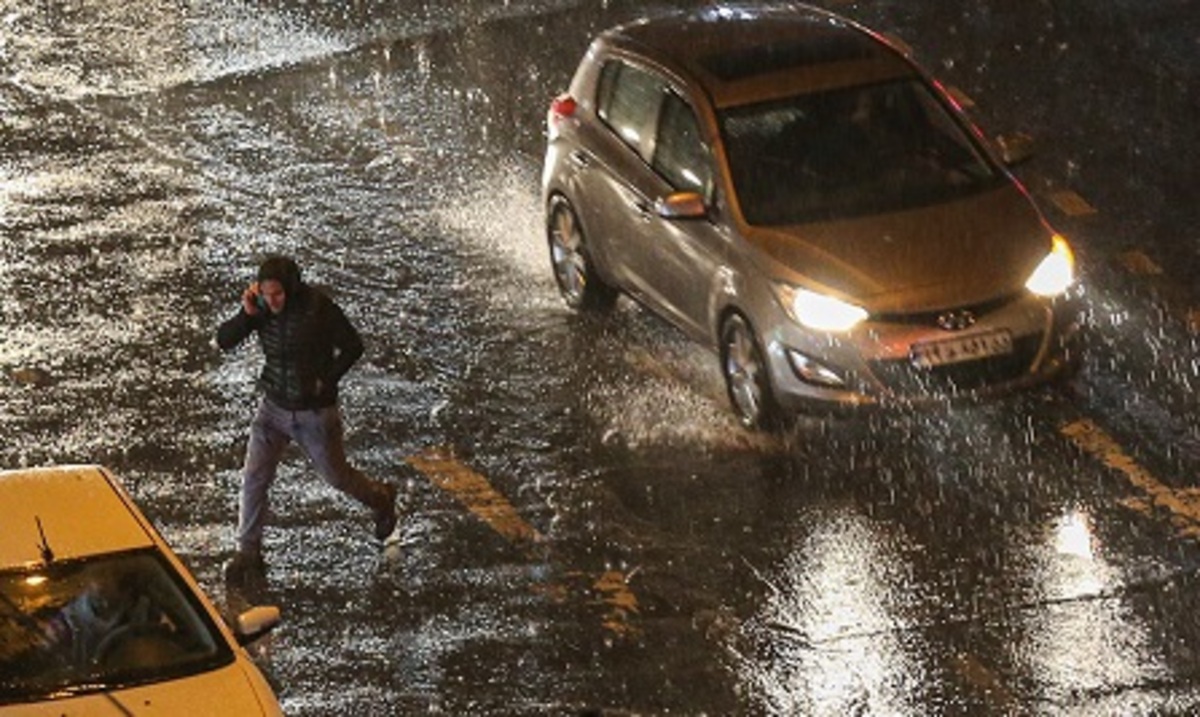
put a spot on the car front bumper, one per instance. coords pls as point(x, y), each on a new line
point(881, 363)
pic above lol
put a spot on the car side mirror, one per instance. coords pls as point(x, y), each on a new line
point(255, 623)
point(1014, 148)
point(682, 205)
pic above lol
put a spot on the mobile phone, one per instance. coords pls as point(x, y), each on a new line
point(260, 302)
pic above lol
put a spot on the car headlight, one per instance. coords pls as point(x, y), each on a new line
point(819, 311)
point(1056, 272)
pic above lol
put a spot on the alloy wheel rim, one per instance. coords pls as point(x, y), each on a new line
point(566, 255)
point(742, 368)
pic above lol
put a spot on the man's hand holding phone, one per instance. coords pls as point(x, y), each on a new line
point(252, 300)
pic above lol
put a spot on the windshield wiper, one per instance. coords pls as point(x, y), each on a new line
point(44, 548)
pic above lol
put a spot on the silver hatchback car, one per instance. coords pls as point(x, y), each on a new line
point(789, 188)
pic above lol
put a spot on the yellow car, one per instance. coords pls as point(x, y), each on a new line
point(99, 616)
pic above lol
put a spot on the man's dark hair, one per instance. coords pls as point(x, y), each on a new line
point(282, 269)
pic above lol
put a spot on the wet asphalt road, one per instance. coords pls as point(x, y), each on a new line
point(586, 530)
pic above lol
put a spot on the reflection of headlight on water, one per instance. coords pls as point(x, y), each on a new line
point(1073, 535)
point(835, 625)
point(1089, 634)
point(1056, 273)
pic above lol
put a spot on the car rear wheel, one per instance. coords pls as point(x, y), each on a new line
point(746, 375)
point(577, 280)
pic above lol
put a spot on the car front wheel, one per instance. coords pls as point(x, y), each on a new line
point(574, 272)
point(746, 375)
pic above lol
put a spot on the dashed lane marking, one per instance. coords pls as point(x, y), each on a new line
point(613, 587)
point(1183, 504)
point(476, 493)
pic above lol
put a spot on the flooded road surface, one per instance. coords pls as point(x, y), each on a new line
point(586, 530)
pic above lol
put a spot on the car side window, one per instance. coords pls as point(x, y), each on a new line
point(680, 154)
point(629, 101)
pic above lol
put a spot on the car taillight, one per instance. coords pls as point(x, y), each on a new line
point(563, 107)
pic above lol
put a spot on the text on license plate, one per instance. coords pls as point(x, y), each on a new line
point(961, 348)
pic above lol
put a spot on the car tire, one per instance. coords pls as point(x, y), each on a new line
point(570, 259)
point(747, 383)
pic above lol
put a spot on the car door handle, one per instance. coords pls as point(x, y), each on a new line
point(581, 159)
point(643, 208)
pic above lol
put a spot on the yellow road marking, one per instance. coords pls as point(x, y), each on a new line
point(1183, 504)
point(613, 587)
point(1072, 204)
point(610, 589)
point(481, 499)
point(475, 492)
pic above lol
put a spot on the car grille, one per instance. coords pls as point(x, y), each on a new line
point(903, 378)
point(929, 318)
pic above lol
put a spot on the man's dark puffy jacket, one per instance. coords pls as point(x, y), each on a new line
point(308, 347)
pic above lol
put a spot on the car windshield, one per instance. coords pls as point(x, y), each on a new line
point(98, 624)
point(849, 152)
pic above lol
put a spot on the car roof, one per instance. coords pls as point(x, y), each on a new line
point(743, 54)
point(81, 508)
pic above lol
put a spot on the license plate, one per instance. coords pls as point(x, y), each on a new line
point(961, 348)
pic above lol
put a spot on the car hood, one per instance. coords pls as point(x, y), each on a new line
point(237, 689)
point(951, 254)
point(45, 504)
